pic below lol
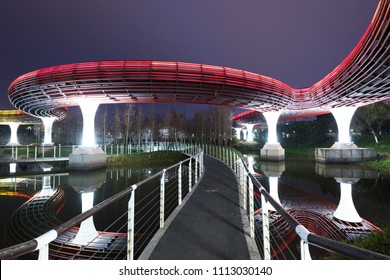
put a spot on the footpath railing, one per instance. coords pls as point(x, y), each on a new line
point(128, 233)
point(277, 224)
point(36, 152)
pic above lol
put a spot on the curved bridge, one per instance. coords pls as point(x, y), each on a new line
point(362, 78)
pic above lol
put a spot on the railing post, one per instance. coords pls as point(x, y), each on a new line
point(16, 153)
point(43, 254)
point(243, 183)
point(179, 185)
point(43, 151)
point(27, 151)
point(305, 252)
point(162, 199)
point(36, 152)
point(54, 151)
point(266, 235)
point(130, 224)
point(251, 208)
point(196, 169)
point(59, 150)
point(190, 175)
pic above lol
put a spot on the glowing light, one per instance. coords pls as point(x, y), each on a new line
point(88, 110)
point(87, 231)
point(48, 122)
point(14, 134)
point(249, 128)
point(272, 120)
point(12, 167)
point(343, 117)
point(273, 191)
point(238, 133)
point(346, 210)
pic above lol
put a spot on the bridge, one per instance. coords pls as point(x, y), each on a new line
point(193, 204)
point(361, 79)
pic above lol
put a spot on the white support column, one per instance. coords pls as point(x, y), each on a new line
point(273, 191)
point(249, 128)
point(343, 117)
point(88, 109)
point(272, 150)
point(346, 210)
point(244, 134)
point(272, 121)
point(48, 123)
point(89, 156)
point(13, 141)
point(87, 232)
point(238, 132)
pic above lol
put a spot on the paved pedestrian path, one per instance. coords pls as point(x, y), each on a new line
point(209, 226)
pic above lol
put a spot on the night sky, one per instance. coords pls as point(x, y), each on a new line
point(295, 41)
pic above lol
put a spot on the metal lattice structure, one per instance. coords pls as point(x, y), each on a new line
point(362, 78)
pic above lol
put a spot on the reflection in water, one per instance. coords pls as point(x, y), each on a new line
point(56, 198)
point(300, 190)
point(346, 210)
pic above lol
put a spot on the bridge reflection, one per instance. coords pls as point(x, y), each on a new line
point(336, 220)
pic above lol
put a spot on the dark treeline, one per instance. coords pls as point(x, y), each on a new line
point(125, 124)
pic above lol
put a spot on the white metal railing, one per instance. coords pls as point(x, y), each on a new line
point(169, 187)
point(247, 183)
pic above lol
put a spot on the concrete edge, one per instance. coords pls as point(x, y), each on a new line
point(147, 252)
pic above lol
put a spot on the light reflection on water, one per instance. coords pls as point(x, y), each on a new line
point(298, 183)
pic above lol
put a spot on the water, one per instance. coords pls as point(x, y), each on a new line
point(302, 184)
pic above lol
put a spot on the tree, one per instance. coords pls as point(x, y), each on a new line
point(372, 117)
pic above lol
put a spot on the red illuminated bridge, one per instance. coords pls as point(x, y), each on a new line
point(362, 78)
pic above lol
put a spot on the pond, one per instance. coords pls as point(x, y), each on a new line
point(301, 184)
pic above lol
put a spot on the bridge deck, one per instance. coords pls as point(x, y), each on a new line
point(209, 225)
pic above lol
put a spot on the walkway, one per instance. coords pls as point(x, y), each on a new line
point(209, 225)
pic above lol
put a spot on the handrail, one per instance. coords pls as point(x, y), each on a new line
point(347, 250)
point(344, 249)
point(44, 239)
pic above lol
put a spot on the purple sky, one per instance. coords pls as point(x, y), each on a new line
point(295, 41)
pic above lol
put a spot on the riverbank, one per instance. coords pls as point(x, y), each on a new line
point(142, 160)
point(308, 152)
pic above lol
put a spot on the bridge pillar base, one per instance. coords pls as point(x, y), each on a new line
point(87, 158)
point(272, 152)
point(344, 153)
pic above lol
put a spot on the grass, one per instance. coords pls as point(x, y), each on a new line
point(382, 148)
point(145, 159)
